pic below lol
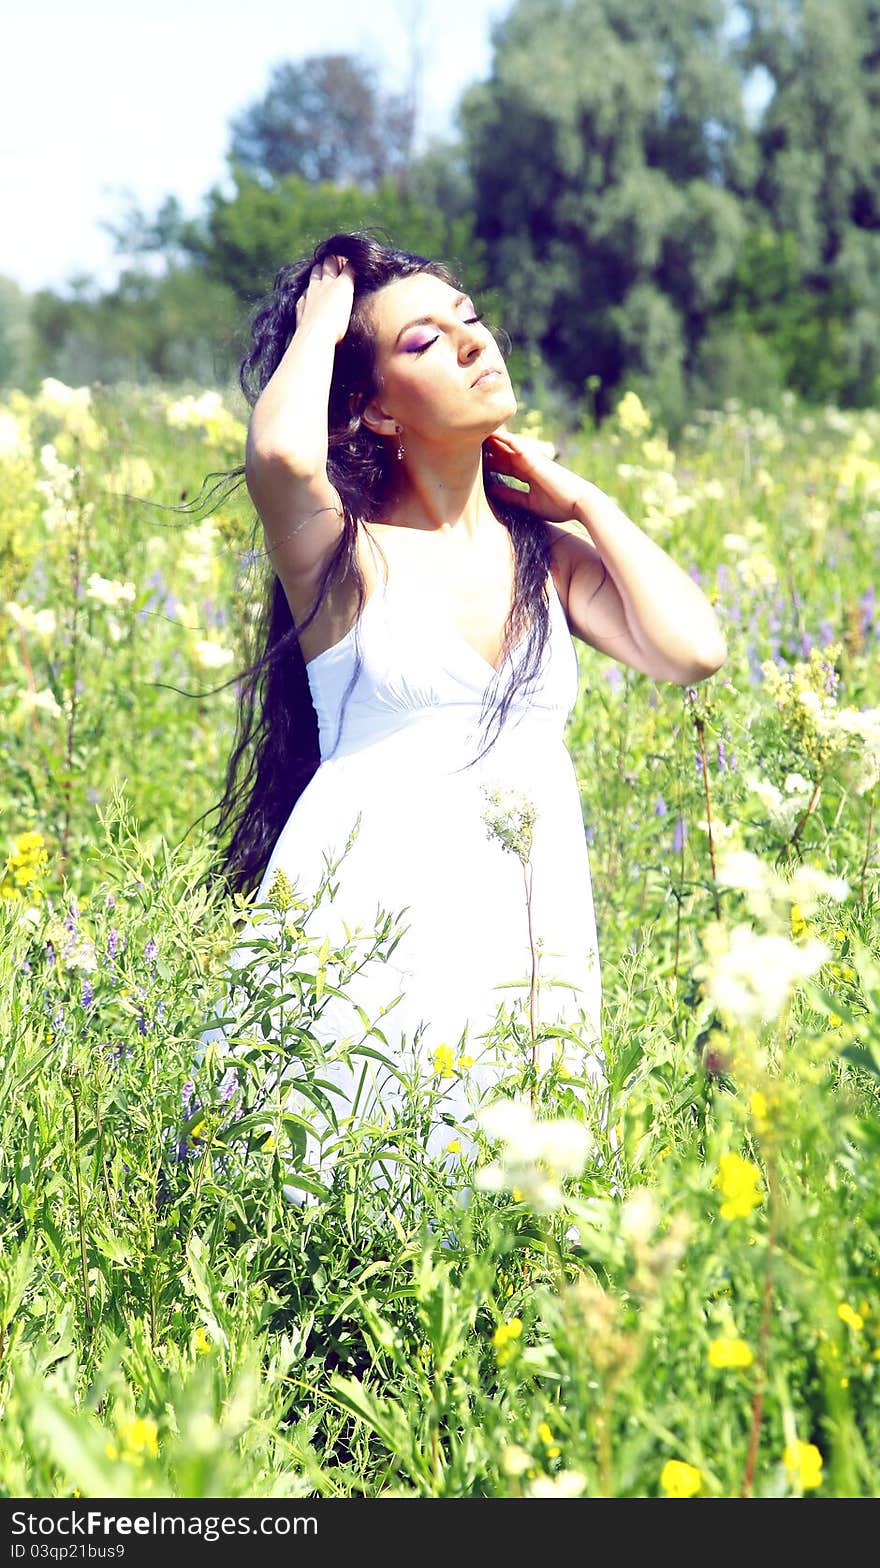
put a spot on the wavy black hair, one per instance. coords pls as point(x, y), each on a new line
point(275, 752)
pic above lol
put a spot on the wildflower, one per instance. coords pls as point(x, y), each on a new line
point(206, 413)
point(850, 1317)
point(679, 836)
point(729, 1353)
point(515, 1460)
point(679, 1479)
point(749, 975)
point(24, 866)
point(738, 1180)
point(567, 1483)
point(201, 1342)
point(504, 1339)
point(150, 950)
point(444, 1061)
point(42, 701)
point(107, 592)
point(281, 895)
point(660, 807)
point(211, 655)
point(551, 1446)
point(798, 923)
point(510, 817)
point(464, 1063)
point(186, 1095)
point(803, 1462)
point(632, 415)
point(40, 622)
point(88, 994)
point(536, 1154)
point(139, 1437)
point(759, 1111)
point(454, 1146)
point(228, 1085)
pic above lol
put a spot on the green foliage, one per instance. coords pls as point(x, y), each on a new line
point(257, 229)
point(189, 1305)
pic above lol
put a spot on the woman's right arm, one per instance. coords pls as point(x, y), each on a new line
point(286, 456)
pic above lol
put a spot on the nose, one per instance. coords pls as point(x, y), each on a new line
point(471, 344)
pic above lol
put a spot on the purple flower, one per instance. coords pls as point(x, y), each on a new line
point(679, 836)
point(88, 993)
point(150, 950)
point(186, 1095)
point(660, 807)
point(613, 676)
point(228, 1084)
point(112, 942)
point(826, 633)
point(722, 756)
point(699, 761)
point(110, 901)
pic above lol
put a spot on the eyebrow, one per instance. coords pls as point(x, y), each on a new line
point(429, 321)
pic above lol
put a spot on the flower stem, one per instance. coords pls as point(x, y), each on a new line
point(763, 1339)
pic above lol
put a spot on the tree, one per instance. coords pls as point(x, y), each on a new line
point(819, 180)
point(248, 235)
point(609, 155)
point(327, 120)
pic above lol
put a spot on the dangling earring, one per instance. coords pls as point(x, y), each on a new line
point(400, 447)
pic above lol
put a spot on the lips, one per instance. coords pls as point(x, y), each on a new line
point(491, 371)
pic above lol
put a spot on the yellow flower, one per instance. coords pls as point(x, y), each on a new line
point(803, 1462)
point(849, 1316)
point(464, 1062)
point(834, 1020)
point(444, 1060)
point(738, 1180)
point(632, 416)
point(197, 1131)
point(25, 865)
point(730, 1353)
point(201, 1342)
point(111, 1451)
point(547, 1438)
point(798, 923)
point(504, 1339)
point(758, 1108)
point(454, 1146)
point(679, 1479)
point(140, 1436)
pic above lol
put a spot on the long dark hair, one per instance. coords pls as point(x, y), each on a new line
point(275, 753)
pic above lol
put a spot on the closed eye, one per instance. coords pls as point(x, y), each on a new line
point(419, 348)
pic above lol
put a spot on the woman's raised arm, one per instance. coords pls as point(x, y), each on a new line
point(286, 456)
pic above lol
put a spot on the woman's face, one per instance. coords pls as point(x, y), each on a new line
point(440, 372)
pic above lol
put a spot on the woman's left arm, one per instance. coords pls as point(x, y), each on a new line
point(625, 595)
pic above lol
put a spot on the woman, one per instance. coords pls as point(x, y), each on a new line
point(429, 605)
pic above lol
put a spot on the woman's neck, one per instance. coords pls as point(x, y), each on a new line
point(441, 495)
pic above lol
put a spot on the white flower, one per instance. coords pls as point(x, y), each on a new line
point(748, 975)
point(639, 1217)
point(536, 1154)
point(206, 413)
point(765, 889)
point(14, 438)
point(785, 810)
point(566, 1483)
point(40, 701)
point(108, 592)
point(40, 622)
point(72, 408)
point(211, 655)
point(515, 1460)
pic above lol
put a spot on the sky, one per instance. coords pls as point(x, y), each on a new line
point(104, 101)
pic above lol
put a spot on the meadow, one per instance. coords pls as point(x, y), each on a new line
point(674, 1295)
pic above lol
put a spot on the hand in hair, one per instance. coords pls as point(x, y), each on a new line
point(328, 297)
